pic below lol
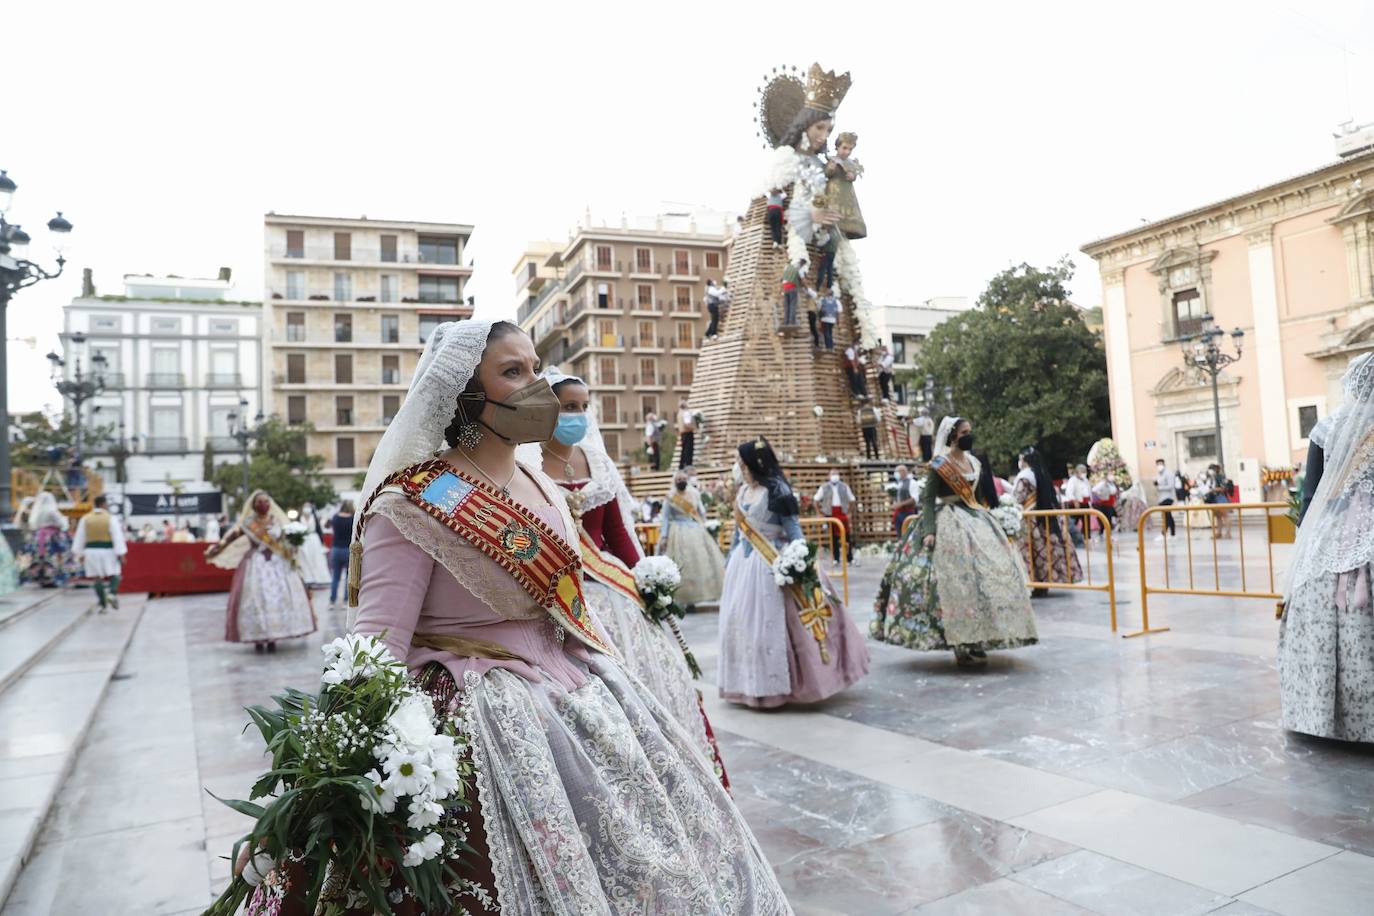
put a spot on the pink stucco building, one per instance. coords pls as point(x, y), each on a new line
point(1292, 265)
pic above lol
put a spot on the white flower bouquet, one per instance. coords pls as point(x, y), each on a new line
point(295, 533)
point(713, 525)
point(657, 579)
point(365, 788)
point(1008, 515)
point(796, 565)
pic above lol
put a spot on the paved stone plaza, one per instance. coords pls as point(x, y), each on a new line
point(1089, 774)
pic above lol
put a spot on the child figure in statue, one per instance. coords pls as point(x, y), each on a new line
point(842, 170)
point(776, 197)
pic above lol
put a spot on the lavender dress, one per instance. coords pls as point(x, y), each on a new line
point(767, 658)
point(592, 797)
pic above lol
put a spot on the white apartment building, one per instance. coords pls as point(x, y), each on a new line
point(905, 327)
point(349, 304)
point(180, 356)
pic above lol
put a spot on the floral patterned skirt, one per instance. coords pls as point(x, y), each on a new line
point(968, 592)
point(1053, 558)
point(698, 557)
point(47, 559)
point(1326, 662)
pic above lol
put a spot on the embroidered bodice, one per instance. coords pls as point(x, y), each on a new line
point(780, 529)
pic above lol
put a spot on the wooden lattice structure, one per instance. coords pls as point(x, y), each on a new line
point(758, 377)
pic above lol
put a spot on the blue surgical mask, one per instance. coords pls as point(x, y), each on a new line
point(571, 428)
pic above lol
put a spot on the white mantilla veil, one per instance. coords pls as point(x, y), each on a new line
point(943, 445)
point(594, 446)
point(416, 433)
point(1337, 534)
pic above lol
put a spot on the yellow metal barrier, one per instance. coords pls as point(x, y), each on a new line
point(833, 525)
point(647, 532)
point(1030, 516)
point(1213, 514)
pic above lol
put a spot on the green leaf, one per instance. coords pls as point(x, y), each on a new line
point(242, 807)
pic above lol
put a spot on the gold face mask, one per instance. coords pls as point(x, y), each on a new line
point(527, 415)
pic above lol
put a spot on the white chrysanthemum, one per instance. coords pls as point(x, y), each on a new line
point(423, 851)
point(412, 721)
point(382, 800)
point(407, 772)
point(423, 813)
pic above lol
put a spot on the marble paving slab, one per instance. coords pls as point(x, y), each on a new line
point(1205, 850)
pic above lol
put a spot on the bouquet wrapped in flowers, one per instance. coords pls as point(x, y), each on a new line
point(1008, 516)
point(657, 579)
point(713, 525)
point(295, 533)
point(364, 793)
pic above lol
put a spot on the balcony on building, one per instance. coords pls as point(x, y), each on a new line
point(166, 380)
point(164, 445)
point(224, 380)
point(223, 444)
point(112, 380)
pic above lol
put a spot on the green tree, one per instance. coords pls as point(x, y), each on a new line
point(37, 435)
point(1025, 369)
point(278, 463)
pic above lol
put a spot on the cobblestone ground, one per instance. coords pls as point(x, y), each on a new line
point(1088, 774)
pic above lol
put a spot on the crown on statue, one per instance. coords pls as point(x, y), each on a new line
point(824, 90)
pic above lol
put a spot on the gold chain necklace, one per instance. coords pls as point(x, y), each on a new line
point(504, 488)
point(568, 470)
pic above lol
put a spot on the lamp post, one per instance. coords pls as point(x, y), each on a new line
point(119, 453)
point(16, 273)
point(81, 387)
point(1202, 351)
point(241, 431)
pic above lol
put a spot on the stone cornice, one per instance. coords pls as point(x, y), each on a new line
point(1331, 185)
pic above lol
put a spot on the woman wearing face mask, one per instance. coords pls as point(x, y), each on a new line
point(682, 535)
point(602, 511)
point(465, 562)
point(268, 600)
point(769, 656)
point(1046, 541)
point(955, 581)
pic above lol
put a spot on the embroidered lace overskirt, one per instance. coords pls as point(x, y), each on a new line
point(652, 655)
point(595, 801)
point(1326, 661)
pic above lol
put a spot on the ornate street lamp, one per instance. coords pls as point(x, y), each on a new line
point(1202, 352)
point(16, 272)
point(81, 387)
point(241, 431)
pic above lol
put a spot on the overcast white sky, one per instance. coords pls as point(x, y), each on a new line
point(992, 133)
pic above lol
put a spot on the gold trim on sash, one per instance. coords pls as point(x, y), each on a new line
point(685, 506)
point(813, 610)
point(957, 482)
point(541, 562)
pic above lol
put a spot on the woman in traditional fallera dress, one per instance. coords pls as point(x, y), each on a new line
point(602, 510)
point(683, 537)
point(267, 600)
point(955, 581)
point(1326, 637)
point(310, 556)
point(47, 560)
point(768, 655)
point(591, 797)
point(1052, 557)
